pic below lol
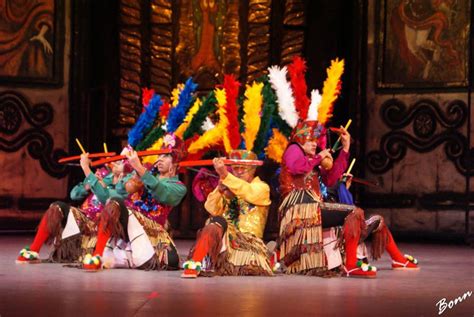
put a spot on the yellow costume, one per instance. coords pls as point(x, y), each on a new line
point(243, 251)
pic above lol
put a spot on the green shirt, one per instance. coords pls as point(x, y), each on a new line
point(169, 191)
point(103, 193)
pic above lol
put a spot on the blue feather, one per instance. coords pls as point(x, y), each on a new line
point(178, 113)
point(145, 121)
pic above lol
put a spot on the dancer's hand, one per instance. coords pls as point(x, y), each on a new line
point(135, 162)
point(325, 153)
point(348, 178)
point(345, 139)
point(85, 164)
point(220, 167)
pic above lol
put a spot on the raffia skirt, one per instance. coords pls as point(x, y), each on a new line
point(242, 254)
point(301, 241)
point(78, 238)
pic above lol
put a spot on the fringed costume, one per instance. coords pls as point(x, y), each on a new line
point(232, 238)
point(73, 230)
point(300, 241)
point(242, 249)
point(373, 229)
point(132, 232)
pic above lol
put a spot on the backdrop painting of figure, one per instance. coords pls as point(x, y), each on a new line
point(29, 42)
point(423, 44)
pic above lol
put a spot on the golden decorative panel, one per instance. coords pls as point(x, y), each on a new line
point(292, 45)
point(161, 46)
point(203, 39)
point(161, 12)
point(258, 45)
point(294, 13)
point(130, 60)
point(293, 33)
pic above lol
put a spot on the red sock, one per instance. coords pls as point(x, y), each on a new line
point(393, 250)
point(205, 242)
point(202, 246)
point(350, 245)
point(102, 237)
point(41, 236)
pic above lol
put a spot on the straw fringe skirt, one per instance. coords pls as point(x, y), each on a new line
point(301, 241)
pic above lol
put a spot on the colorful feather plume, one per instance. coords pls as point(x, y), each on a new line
point(331, 90)
point(179, 132)
point(164, 111)
point(313, 107)
point(175, 94)
point(145, 121)
point(286, 102)
point(276, 146)
point(297, 71)
point(208, 106)
point(252, 108)
point(178, 113)
point(207, 124)
point(231, 86)
point(147, 94)
point(219, 133)
point(156, 146)
point(150, 138)
point(269, 106)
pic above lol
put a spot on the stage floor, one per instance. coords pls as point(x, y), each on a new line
point(447, 271)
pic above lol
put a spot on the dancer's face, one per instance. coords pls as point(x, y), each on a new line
point(165, 165)
point(309, 147)
point(117, 168)
point(244, 172)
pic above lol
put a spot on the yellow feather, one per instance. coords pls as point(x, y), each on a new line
point(252, 118)
point(219, 132)
point(156, 146)
point(180, 130)
point(174, 99)
point(330, 90)
point(175, 95)
point(276, 146)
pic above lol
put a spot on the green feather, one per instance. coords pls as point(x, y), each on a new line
point(208, 106)
point(150, 139)
point(269, 106)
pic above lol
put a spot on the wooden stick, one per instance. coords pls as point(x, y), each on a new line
point(365, 182)
point(122, 157)
point(350, 166)
point(80, 146)
point(226, 162)
point(105, 148)
point(339, 139)
point(78, 157)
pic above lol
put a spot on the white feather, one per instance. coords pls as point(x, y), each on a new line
point(313, 107)
point(207, 125)
point(286, 101)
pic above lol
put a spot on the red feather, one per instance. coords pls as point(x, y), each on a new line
point(147, 94)
point(297, 70)
point(231, 86)
point(164, 110)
